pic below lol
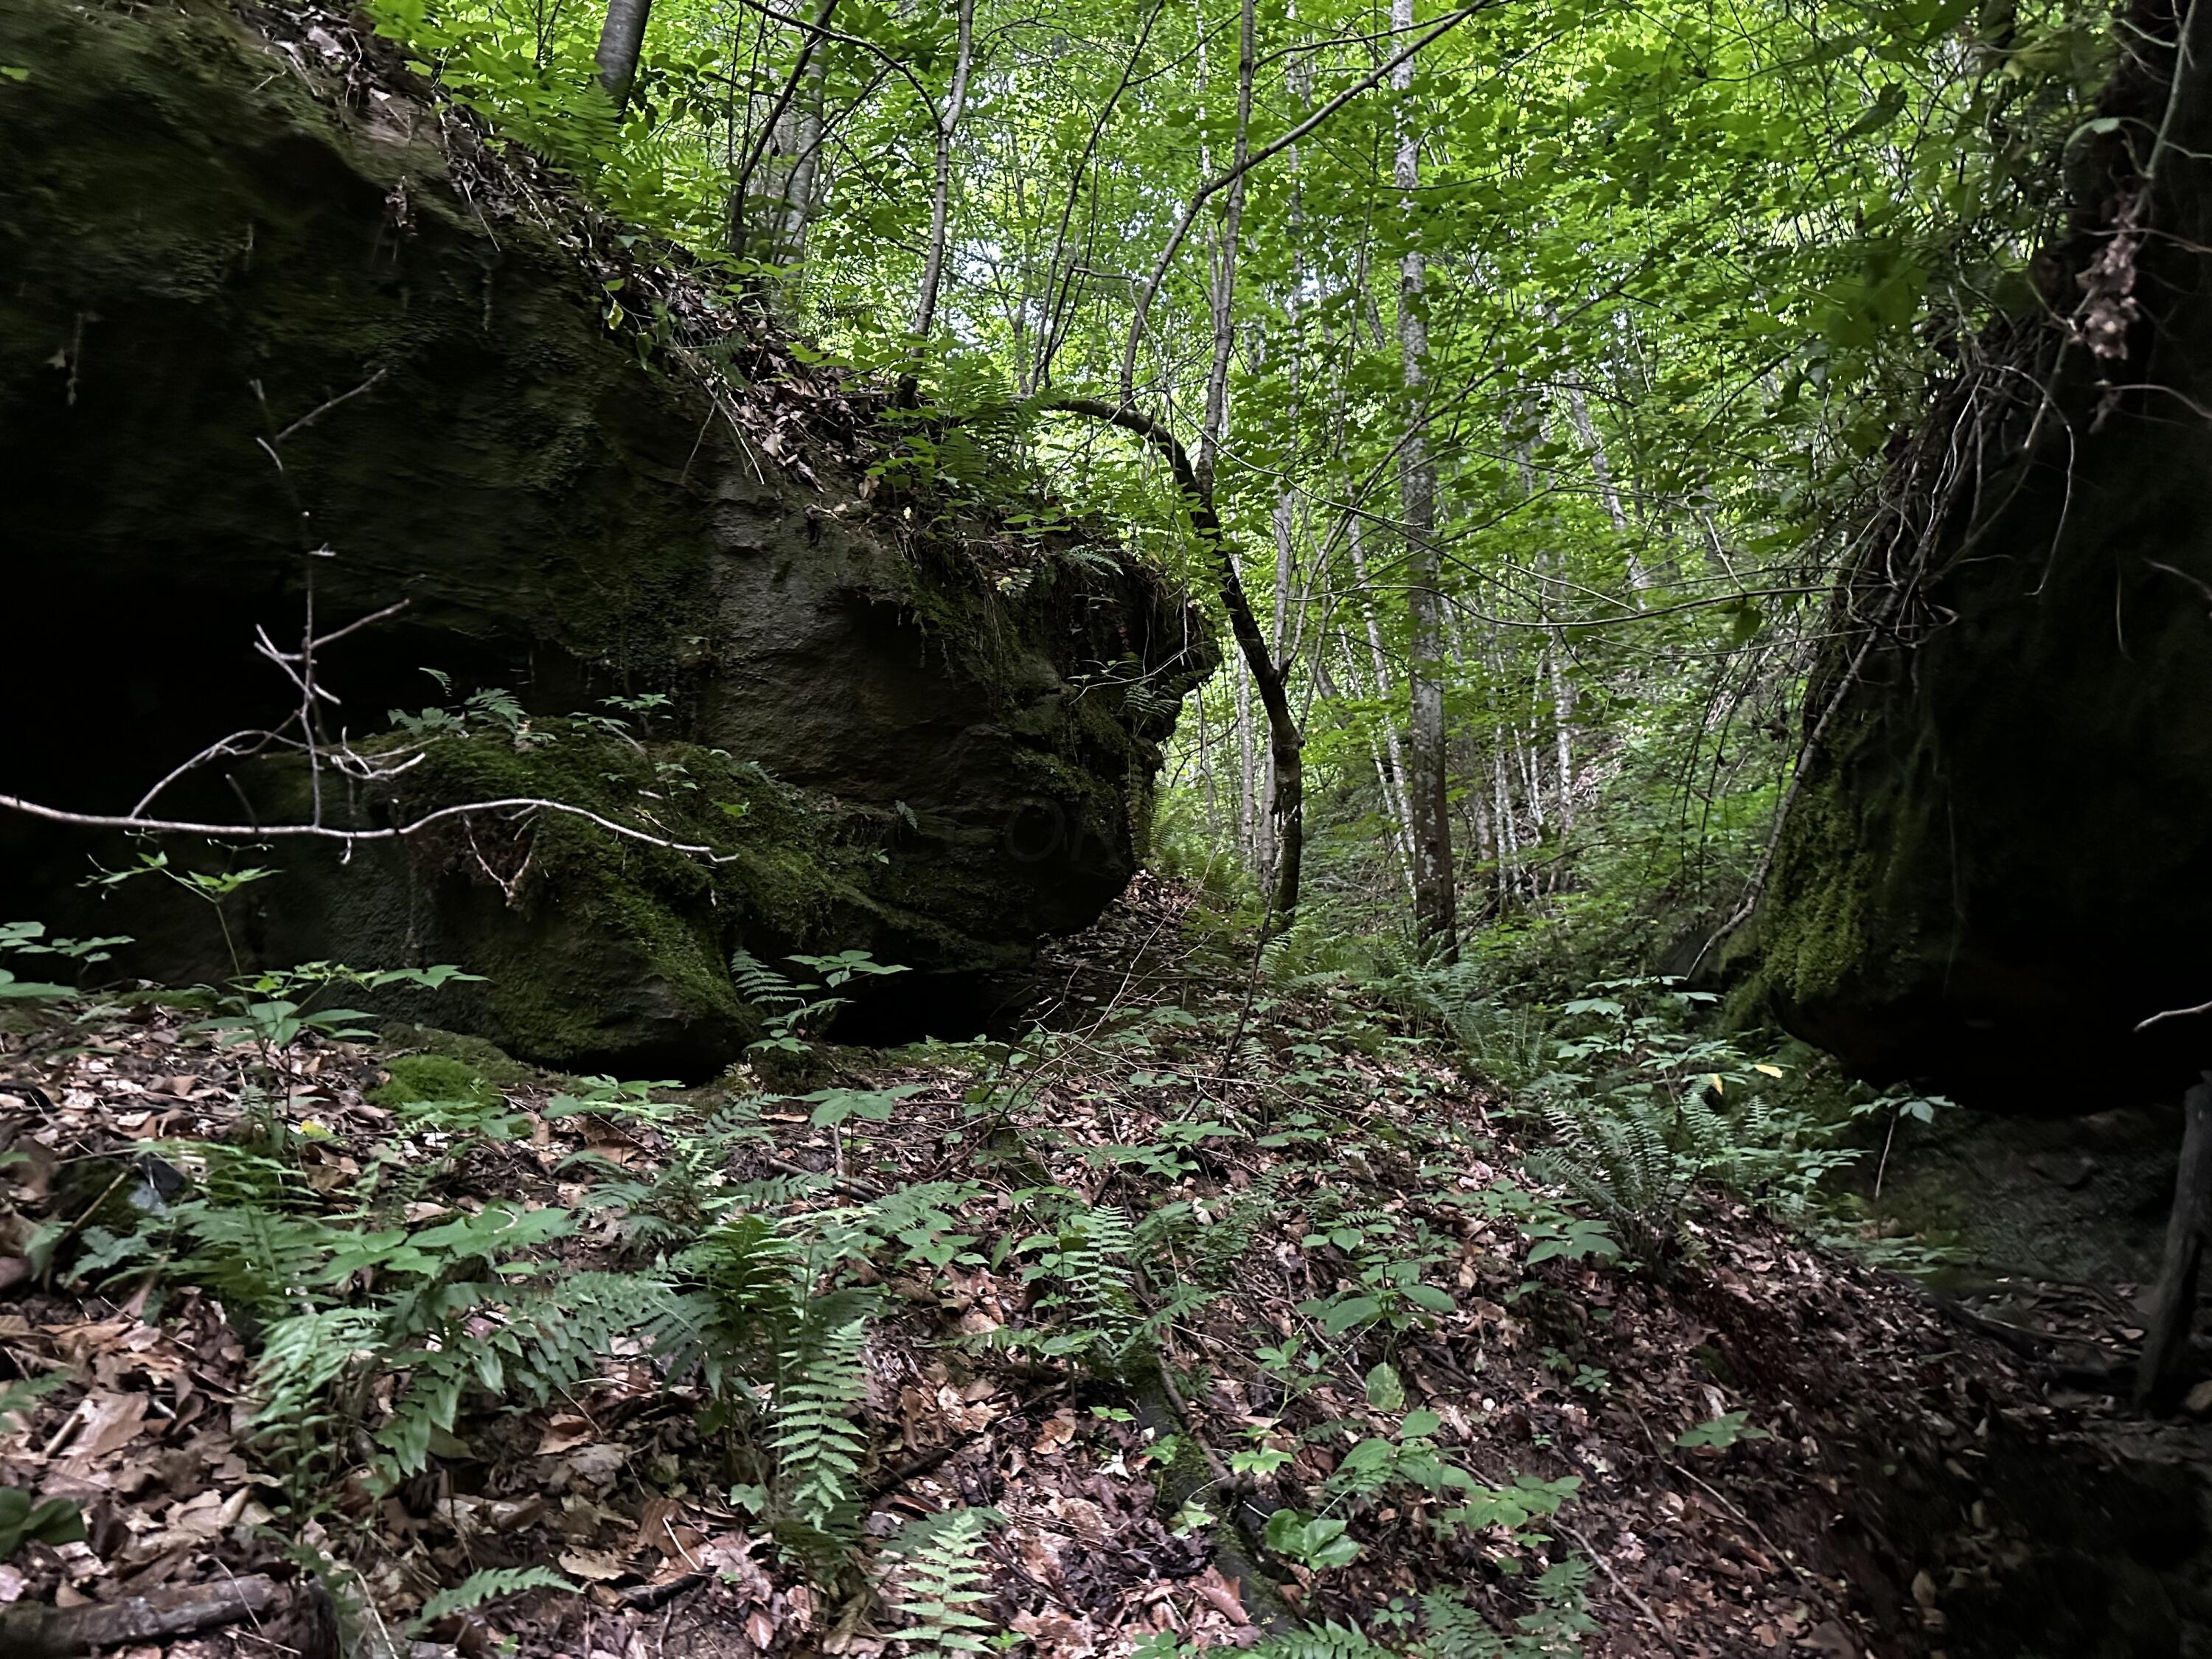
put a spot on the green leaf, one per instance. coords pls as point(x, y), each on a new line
point(1352, 1311)
point(1721, 1432)
point(1888, 105)
point(1386, 1391)
point(22, 1521)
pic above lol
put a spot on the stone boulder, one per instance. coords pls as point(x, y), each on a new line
point(277, 329)
point(1999, 861)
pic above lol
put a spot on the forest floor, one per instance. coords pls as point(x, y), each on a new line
point(1205, 1255)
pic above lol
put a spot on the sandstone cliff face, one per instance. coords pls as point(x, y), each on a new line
point(2000, 860)
point(902, 727)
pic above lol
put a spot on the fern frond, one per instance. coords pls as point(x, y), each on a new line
point(303, 1355)
point(941, 1582)
point(762, 985)
point(818, 1445)
point(542, 1342)
point(1325, 1641)
point(486, 1584)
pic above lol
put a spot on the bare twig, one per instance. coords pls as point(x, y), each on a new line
point(133, 822)
point(1634, 1599)
point(314, 414)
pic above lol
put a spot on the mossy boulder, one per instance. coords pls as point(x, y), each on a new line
point(1999, 862)
point(895, 724)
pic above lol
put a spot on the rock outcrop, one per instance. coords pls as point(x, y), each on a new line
point(902, 727)
point(1999, 861)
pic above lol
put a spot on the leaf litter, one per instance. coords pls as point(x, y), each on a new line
point(1139, 1295)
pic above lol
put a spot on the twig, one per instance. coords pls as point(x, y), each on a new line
point(2173, 1013)
point(314, 414)
point(850, 1188)
point(326, 832)
point(1635, 1600)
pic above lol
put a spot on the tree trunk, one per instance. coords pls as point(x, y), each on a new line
point(1286, 743)
point(1435, 898)
point(948, 124)
point(621, 42)
point(2173, 1303)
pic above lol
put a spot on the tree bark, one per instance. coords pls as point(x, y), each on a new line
point(35, 1632)
point(621, 43)
point(948, 124)
point(1436, 921)
point(2173, 1303)
point(1286, 743)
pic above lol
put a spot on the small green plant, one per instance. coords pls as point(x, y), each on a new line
point(1639, 1109)
point(1386, 1286)
point(796, 1010)
point(486, 1584)
point(1316, 1541)
point(25, 1521)
point(940, 1581)
point(1721, 1432)
point(1898, 1106)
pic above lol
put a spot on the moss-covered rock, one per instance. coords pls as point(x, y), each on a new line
point(2000, 859)
point(220, 249)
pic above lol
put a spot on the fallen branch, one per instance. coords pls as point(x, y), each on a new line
point(133, 822)
point(41, 1633)
point(1658, 1628)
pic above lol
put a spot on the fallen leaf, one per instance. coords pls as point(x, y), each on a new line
point(106, 1423)
point(1221, 1594)
point(601, 1567)
point(1058, 1431)
point(564, 1433)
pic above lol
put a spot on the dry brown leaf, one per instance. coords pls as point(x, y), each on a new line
point(564, 1433)
point(1056, 1636)
point(729, 1556)
point(106, 1423)
point(1058, 1431)
point(1222, 1594)
point(601, 1567)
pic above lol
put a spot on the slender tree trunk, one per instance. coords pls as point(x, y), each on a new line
point(948, 124)
point(621, 43)
point(1285, 742)
point(2173, 1304)
point(1563, 717)
point(801, 188)
point(738, 237)
point(1385, 693)
point(1248, 779)
point(1435, 900)
point(1601, 467)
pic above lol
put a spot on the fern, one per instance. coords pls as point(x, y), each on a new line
point(1450, 1629)
point(941, 1582)
point(1629, 1162)
point(257, 1259)
point(750, 1297)
point(1095, 1258)
point(762, 985)
point(486, 1584)
point(752, 1325)
point(302, 1356)
point(542, 1343)
point(1324, 1641)
point(818, 1445)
